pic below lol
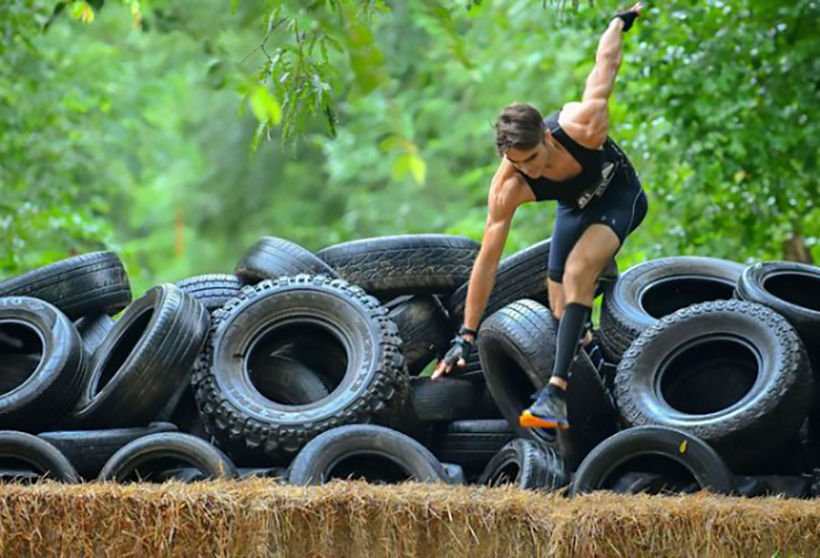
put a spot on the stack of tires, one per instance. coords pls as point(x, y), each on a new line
point(309, 367)
point(713, 367)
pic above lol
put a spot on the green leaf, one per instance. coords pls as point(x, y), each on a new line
point(264, 106)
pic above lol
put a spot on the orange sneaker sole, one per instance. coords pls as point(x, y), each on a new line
point(527, 420)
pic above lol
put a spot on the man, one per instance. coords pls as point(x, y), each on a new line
point(569, 158)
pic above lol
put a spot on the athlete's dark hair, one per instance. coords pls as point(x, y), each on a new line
point(519, 126)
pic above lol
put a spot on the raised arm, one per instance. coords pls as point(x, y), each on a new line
point(588, 121)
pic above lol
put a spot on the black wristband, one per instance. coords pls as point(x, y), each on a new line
point(464, 329)
point(628, 18)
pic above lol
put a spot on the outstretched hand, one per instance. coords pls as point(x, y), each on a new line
point(456, 355)
point(637, 8)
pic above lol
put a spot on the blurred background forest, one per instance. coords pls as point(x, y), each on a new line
point(178, 132)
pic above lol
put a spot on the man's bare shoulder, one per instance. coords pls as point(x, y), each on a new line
point(585, 122)
point(508, 190)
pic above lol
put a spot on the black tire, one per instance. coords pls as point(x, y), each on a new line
point(682, 459)
point(87, 284)
point(375, 452)
point(470, 443)
point(212, 290)
point(732, 373)
point(38, 455)
point(272, 257)
point(591, 412)
point(147, 456)
point(391, 266)
point(88, 450)
point(289, 381)
point(93, 330)
point(518, 356)
point(526, 464)
point(423, 327)
point(649, 291)
point(144, 360)
point(517, 351)
point(521, 275)
point(42, 354)
point(449, 399)
point(332, 327)
point(790, 289)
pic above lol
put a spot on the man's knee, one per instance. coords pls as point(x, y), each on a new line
point(581, 271)
point(555, 291)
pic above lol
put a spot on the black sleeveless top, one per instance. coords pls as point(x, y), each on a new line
point(591, 161)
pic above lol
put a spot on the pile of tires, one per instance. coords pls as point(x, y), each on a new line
point(309, 367)
point(708, 379)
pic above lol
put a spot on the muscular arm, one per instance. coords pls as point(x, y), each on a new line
point(587, 122)
point(501, 208)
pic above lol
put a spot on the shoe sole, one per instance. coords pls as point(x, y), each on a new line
point(528, 420)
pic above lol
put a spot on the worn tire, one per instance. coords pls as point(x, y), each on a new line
point(161, 448)
point(391, 266)
point(521, 275)
point(790, 289)
point(399, 456)
point(332, 327)
point(211, 290)
point(750, 389)
point(88, 450)
point(657, 448)
point(449, 399)
point(526, 464)
point(42, 354)
point(87, 284)
point(517, 352)
point(39, 454)
point(649, 291)
point(423, 327)
point(93, 330)
point(144, 360)
point(469, 443)
point(272, 257)
point(591, 412)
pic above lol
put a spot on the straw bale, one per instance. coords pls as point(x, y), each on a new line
point(258, 517)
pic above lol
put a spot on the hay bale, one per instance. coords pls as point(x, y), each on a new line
point(257, 517)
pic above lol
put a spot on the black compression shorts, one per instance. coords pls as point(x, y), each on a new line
point(621, 207)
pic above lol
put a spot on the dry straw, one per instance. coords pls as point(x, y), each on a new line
point(258, 517)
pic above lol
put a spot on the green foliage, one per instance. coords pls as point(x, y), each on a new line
point(132, 132)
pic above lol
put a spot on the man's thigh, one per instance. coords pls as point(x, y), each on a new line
point(594, 250)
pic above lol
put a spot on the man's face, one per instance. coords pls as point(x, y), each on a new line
point(531, 161)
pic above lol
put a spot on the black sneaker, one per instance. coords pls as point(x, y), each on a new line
point(548, 411)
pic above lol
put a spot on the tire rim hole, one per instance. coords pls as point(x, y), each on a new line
point(800, 290)
point(162, 469)
point(373, 468)
point(520, 387)
point(297, 348)
point(507, 474)
point(21, 350)
point(651, 474)
point(666, 296)
point(708, 376)
point(122, 349)
point(19, 470)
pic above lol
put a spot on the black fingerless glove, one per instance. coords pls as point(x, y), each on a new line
point(629, 18)
point(459, 348)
